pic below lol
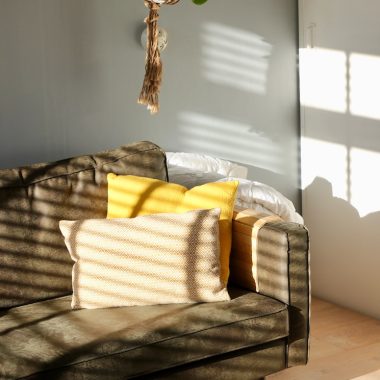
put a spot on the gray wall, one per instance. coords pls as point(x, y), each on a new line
point(71, 70)
point(340, 95)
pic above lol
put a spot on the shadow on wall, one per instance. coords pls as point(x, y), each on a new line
point(345, 245)
point(339, 93)
point(261, 152)
point(340, 155)
point(236, 58)
point(234, 140)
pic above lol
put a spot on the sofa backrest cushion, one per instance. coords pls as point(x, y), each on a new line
point(34, 262)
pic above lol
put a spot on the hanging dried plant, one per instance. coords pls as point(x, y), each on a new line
point(153, 65)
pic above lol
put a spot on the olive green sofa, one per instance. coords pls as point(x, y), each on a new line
point(41, 337)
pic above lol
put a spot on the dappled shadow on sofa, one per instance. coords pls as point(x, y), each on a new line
point(35, 264)
point(138, 340)
point(242, 338)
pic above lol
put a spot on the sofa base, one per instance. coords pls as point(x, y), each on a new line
point(252, 363)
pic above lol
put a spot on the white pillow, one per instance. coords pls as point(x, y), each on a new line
point(206, 163)
point(152, 259)
point(191, 177)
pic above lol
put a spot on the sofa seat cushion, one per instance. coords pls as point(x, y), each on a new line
point(48, 339)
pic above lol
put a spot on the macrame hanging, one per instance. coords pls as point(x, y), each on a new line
point(153, 66)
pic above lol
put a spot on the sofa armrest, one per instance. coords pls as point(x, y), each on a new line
point(271, 257)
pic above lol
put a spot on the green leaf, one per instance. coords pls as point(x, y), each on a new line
point(199, 2)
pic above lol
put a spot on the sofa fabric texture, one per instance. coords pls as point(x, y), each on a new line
point(51, 341)
point(34, 262)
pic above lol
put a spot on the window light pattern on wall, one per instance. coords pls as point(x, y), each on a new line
point(364, 70)
point(231, 140)
point(333, 80)
point(323, 78)
point(346, 87)
point(235, 57)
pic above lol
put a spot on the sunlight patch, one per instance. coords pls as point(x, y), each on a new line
point(235, 57)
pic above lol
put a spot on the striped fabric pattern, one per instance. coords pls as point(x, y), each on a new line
point(152, 259)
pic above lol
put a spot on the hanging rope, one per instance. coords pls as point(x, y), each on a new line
point(153, 66)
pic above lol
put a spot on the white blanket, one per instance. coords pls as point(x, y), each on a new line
point(191, 170)
point(252, 194)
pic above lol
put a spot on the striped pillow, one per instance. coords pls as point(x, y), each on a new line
point(152, 259)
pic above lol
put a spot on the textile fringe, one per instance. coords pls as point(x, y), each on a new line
point(150, 91)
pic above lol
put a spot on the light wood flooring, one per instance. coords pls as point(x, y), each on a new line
point(345, 345)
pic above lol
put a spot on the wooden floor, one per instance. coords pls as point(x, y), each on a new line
point(344, 345)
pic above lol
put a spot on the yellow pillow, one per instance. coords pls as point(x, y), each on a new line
point(130, 196)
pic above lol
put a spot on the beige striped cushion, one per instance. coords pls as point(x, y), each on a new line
point(152, 259)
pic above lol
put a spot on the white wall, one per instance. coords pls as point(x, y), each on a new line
point(71, 71)
point(340, 96)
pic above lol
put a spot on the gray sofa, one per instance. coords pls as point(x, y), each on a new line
point(249, 337)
